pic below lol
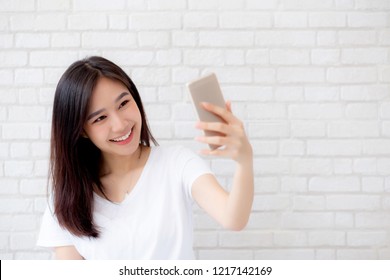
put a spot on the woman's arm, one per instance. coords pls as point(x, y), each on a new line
point(232, 209)
point(67, 253)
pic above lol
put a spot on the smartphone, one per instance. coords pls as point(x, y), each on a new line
point(207, 89)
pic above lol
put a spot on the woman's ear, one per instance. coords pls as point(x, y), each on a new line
point(84, 134)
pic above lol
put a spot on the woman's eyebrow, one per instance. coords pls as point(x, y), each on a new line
point(90, 116)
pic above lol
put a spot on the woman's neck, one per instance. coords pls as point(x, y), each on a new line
point(120, 165)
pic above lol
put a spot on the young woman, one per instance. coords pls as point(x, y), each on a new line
point(114, 196)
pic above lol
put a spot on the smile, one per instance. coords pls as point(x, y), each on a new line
point(122, 138)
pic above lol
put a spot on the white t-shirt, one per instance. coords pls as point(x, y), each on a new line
point(154, 221)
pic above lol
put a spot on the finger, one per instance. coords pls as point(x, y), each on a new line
point(214, 126)
point(221, 112)
point(229, 106)
point(215, 152)
point(212, 140)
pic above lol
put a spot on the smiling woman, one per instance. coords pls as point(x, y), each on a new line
point(116, 197)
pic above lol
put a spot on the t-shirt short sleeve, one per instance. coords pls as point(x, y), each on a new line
point(51, 233)
point(192, 167)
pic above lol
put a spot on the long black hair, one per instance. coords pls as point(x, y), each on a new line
point(75, 160)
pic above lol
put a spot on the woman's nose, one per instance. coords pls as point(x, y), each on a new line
point(117, 123)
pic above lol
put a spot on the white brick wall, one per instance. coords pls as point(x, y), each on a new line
point(309, 78)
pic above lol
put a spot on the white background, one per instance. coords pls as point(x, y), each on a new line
point(309, 78)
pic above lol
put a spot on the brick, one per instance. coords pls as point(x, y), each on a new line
point(27, 113)
point(20, 131)
point(15, 205)
point(16, 5)
point(265, 75)
point(200, 20)
point(292, 148)
point(307, 220)
point(290, 239)
point(344, 220)
point(257, 57)
point(376, 147)
point(365, 166)
point(88, 21)
point(155, 21)
point(290, 19)
point(334, 147)
point(266, 111)
point(356, 129)
point(353, 202)
point(50, 22)
point(367, 19)
point(265, 147)
point(108, 39)
point(205, 239)
point(99, 5)
point(28, 76)
point(289, 39)
point(262, 5)
point(157, 39)
point(353, 37)
point(18, 168)
point(289, 57)
point(365, 93)
point(53, 5)
point(316, 111)
point(364, 56)
point(20, 150)
point(311, 166)
point(370, 220)
point(372, 238)
point(327, 38)
point(334, 184)
point(372, 184)
point(342, 166)
point(33, 187)
point(184, 39)
point(264, 220)
point(6, 77)
point(245, 20)
point(271, 166)
point(326, 238)
point(226, 39)
point(285, 254)
point(32, 40)
point(204, 57)
point(164, 5)
point(356, 254)
point(325, 57)
point(247, 239)
point(327, 19)
point(22, 241)
point(117, 22)
point(8, 186)
point(234, 57)
point(300, 75)
point(288, 93)
point(269, 129)
point(148, 76)
point(306, 5)
point(130, 58)
point(308, 203)
point(294, 184)
point(62, 40)
point(225, 254)
point(271, 202)
point(352, 75)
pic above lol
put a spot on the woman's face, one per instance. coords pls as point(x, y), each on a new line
point(113, 119)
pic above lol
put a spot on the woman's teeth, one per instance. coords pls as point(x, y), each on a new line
point(124, 137)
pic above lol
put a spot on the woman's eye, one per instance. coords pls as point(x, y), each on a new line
point(123, 104)
point(99, 119)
